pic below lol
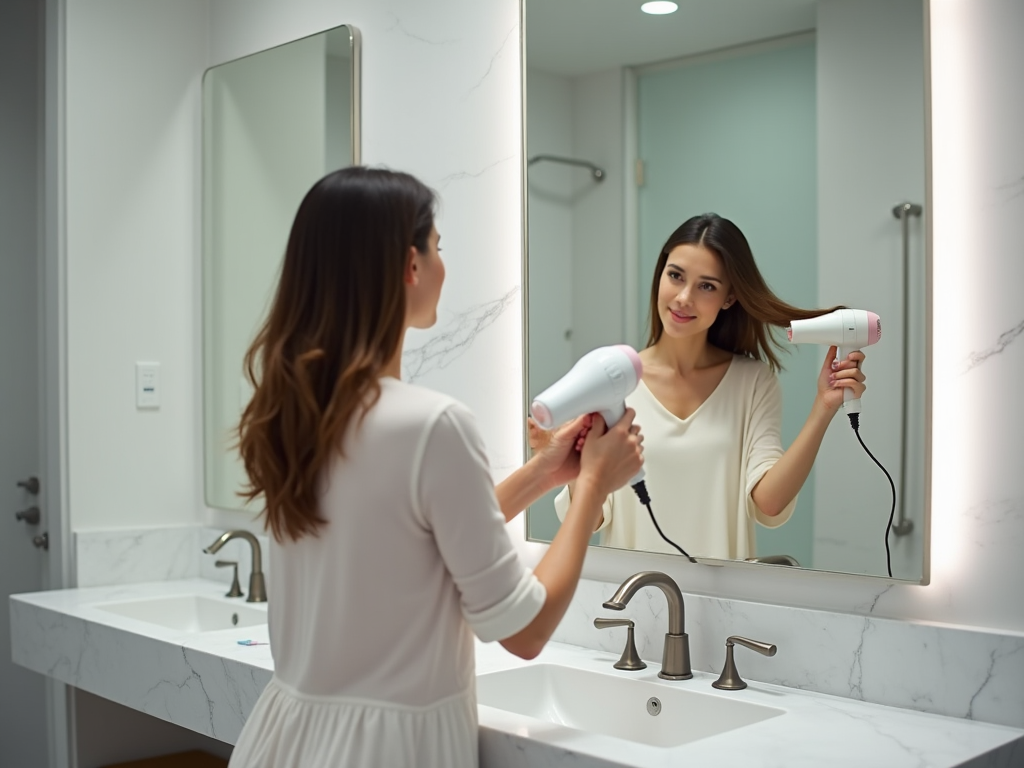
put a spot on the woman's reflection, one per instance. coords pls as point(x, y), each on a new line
point(710, 405)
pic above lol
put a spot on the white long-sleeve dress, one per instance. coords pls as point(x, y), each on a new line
point(701, 470)
point(372, 621)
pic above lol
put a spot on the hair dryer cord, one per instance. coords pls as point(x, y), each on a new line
point(645, 499)
point(855, 423)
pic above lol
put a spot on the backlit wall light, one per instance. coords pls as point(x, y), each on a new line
point(659, 7)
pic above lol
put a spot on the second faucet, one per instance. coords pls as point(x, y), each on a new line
point(257, 585)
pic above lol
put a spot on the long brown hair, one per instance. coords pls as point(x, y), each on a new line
point(743, 328)
point(335, 322)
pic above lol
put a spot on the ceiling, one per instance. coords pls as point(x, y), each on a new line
point(575, 37)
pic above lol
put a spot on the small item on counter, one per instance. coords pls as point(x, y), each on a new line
point(251, 642)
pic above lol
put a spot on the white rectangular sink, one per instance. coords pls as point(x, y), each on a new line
point(190, 613)
point(618, 706)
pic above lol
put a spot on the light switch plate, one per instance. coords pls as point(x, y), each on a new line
point(147, 385)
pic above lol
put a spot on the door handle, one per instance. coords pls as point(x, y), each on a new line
point(31, 485)
point(42, 541)
point(30, 515)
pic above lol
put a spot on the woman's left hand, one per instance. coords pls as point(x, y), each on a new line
point(839, 376)
point(557, 452)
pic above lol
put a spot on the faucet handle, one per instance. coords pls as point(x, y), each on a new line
point(236, 588)
point(730, 679)
point(630, 659)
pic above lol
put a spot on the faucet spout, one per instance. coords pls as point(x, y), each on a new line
point(257, 584)
point(636, 582)
point(675, 660)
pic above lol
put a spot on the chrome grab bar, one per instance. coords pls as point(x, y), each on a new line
point(597, 173)
point(903, 212)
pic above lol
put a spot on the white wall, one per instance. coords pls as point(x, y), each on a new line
point(132, 232)
point(552, 192)
point(860, 265)
point(577, 230)
point(598, 224)
point(441, 99)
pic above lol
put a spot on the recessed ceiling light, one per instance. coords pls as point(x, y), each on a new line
point(659, 7)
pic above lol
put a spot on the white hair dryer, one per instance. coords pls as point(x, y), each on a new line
point(849, 329)
point(598, 383)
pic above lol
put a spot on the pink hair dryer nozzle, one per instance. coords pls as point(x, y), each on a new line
point(849, 329)
point(598, 383)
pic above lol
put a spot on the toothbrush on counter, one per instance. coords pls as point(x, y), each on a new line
point(251, 642)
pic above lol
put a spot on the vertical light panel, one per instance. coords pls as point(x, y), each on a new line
point(953, 190)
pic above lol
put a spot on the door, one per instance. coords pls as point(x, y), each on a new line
point(23, 715)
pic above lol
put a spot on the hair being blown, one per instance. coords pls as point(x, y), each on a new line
point(745, 327)
point(336, 321)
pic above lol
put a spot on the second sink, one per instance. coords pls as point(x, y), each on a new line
point(618, 706)
point(189, 613)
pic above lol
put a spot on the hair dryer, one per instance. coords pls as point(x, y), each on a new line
point(848, 329)
point(598, 383)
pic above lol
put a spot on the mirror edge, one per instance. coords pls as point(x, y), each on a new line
point(355, 103)
point(926, 524)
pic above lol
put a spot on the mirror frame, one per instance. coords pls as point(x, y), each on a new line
point(928, 230)
point(355, 128)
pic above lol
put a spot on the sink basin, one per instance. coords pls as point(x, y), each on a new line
point(190, 613)
point(617, 706)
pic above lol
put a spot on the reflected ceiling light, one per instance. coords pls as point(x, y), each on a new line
point(659, 7)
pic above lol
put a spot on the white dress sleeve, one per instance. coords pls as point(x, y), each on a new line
point(764, 444)
point(454, 498)
point(563, 499)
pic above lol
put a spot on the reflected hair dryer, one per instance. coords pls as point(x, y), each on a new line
point(849, 329)
point(598, 383)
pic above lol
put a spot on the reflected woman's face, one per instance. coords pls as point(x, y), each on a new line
point(693, 290)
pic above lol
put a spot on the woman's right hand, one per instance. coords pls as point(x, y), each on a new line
point(611, 457)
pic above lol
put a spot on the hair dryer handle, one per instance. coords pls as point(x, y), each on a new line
point(851, 403)
point(611, 417)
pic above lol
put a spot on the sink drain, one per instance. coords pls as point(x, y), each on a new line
point(654, 706)
point(234, 619)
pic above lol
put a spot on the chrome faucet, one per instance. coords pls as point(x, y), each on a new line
point(675, 661)
point(257, 585)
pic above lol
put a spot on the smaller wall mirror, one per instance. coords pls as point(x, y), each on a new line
point(273, 123)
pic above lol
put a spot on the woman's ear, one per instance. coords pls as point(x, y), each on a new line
point(411, 270)
point(729, 301)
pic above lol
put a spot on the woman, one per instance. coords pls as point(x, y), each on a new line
point(710, 405)
point(389, 549)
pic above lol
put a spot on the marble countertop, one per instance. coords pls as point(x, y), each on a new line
point(209, 683)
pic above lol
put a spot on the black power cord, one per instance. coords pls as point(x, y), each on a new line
point(855, 423)
point(645, 499)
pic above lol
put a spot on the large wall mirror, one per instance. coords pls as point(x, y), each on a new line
point(804, 123)
point(273, 123)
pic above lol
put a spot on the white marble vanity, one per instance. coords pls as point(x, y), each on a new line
point(207, 682)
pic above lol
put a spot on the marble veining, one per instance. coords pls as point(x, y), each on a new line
point(454, 338)
point(941, 669)
point(125, 555)
point(397, 25)
point(1005, 340)
point(132, 556)
point(510, 35)
point(463, 175)
point(208, 683)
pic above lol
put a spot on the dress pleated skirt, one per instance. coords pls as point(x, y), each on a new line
point(288, 729)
